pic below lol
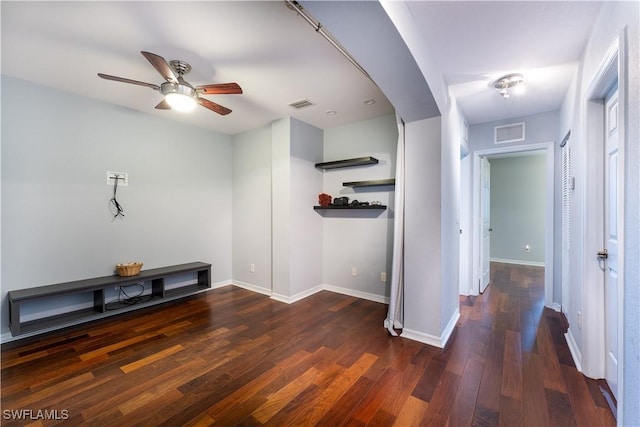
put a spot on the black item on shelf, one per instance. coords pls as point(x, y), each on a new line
point(341, 201)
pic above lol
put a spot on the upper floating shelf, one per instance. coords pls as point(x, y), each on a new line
point(358, 161)
point(371, 183)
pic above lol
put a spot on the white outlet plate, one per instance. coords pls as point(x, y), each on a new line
point(383, 277)
point(123, 178)
point(252, 268)
point(354, 271)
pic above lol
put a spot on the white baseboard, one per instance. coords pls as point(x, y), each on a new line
point(307, 293)
point(573, 348)
point(250, 287)
point(436, 341)
point(355, 293)
point(297, 297)
point(518, 261)
point(556, 307)
point(421, 337)
point(6, 337)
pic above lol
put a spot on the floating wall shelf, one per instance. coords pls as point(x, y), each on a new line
point(371, 183)
point(379, 207)
point(358, 161)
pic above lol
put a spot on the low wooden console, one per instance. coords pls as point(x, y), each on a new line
point(97, 286)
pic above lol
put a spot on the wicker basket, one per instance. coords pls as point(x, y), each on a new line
point(129, 269)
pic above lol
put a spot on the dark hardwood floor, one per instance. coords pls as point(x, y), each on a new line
point(232, 357)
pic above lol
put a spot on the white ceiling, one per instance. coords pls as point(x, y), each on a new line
point(477, 42)
point(278, 58)
point(271, 52)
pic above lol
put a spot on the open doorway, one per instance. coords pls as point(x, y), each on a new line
point(516, 207)
point(547, 150)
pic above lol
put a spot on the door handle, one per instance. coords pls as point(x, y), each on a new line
point(603, 254)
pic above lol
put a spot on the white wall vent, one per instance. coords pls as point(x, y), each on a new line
point(509, 133)
point(301, 104)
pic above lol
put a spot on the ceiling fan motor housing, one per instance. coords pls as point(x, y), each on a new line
point(180, 67)
point(170, 87)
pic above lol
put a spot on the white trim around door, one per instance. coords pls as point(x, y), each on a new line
point(609, 73)
point(548, 148)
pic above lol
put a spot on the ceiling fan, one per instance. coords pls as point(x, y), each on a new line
point(178, 93)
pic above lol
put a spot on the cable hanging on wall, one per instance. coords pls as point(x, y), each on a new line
point(119, 211)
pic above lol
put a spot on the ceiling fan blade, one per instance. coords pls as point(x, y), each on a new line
point(123, 80)
point(163, 105)
point(220, 89)
point(161, 65)
point(213, 106)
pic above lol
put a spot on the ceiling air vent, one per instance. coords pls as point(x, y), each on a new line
point(301, 104)
point(509, 133)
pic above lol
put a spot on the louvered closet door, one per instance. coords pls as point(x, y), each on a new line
point(567, 189)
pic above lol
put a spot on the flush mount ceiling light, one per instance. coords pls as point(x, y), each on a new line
point(510, 81)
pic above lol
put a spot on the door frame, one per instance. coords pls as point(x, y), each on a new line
point(548, 148)
point(484, 261)
point(593, 355)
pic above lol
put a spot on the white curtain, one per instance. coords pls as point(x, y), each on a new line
point(395, 315)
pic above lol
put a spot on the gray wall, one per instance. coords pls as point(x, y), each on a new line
point(252, 209)
point(306, 251)
point(56, 221)
point(295, 249)
point(543, 127)
point(518, 209)
point(360, 239)
point(296, 230)
point(422, 245)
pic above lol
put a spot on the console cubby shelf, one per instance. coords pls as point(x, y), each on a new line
point(379, 207)
point(346, 163)
point(371, 183)
point(96, 287)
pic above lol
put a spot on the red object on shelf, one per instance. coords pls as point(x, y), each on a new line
point(324, 199)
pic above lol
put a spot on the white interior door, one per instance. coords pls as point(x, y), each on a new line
point(485, 221)
point(609, 257)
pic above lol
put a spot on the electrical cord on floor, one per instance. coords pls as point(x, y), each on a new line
point(114, 200)
point(125, 300)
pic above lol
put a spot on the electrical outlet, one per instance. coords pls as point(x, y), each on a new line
point(383, 277)
point(527, 248)
point(579, 320)
point(252, 268)
point(354, 271)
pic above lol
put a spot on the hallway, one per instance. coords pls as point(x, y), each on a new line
point(233, 357)
point(528, 376)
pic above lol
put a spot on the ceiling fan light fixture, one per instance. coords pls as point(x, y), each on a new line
point(180, 102)
point(177, 92)
point(180, 97)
